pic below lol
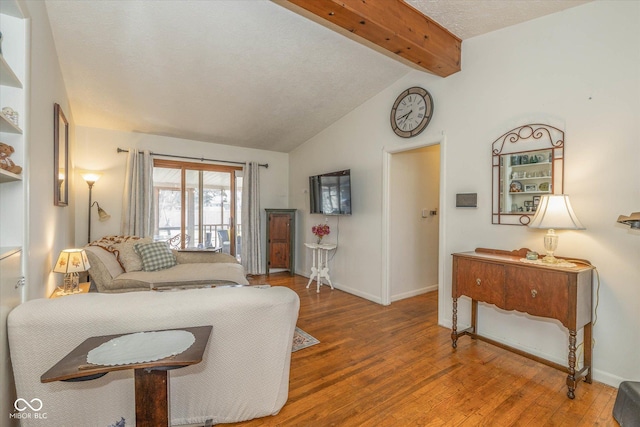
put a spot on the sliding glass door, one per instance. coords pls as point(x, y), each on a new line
point(197, 205)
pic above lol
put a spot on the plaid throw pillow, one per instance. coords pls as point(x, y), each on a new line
point(155, 256)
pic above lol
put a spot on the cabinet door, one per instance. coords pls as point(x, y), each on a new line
point(538, 292)
point(279, 240)
point(480, 281)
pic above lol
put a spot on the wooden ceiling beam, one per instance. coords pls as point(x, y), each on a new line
point(394, 26)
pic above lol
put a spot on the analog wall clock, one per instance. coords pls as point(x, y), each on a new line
point(411, 112)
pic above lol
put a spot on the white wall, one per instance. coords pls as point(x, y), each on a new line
point(50, 228)
point(414, 186)
point(97, 151)
point(578, 70)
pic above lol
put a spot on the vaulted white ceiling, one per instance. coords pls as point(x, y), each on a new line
point(248, 73)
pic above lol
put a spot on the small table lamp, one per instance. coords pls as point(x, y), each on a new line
point(554, 213)
point(71, 262)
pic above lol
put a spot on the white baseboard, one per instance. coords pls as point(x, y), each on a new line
point(347, 289)
point(414, 293)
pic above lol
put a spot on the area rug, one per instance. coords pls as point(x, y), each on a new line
point(301, 340)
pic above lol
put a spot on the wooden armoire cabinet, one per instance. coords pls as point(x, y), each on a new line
point(281, 226)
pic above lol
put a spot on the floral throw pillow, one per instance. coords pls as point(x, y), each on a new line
point(122, 248)
point(155, 256)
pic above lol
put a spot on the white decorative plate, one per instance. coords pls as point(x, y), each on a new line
point(141, 347)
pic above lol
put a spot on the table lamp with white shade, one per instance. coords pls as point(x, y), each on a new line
point(71, 262)
point(554, 213)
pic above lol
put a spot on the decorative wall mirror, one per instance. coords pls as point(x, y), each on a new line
point(527, 162)
point(60, 157)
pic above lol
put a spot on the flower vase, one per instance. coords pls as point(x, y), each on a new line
point(319, 240)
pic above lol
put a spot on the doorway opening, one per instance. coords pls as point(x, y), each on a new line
point(413, 220)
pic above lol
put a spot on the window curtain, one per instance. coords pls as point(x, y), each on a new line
point(137, 200)
point(251, 252)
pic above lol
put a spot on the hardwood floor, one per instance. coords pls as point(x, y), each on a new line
point(394, 366)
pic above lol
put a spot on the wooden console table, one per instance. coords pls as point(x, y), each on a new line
point(502, 279)
point(151, 378)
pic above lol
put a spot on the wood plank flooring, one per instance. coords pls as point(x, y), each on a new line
point(394, 366)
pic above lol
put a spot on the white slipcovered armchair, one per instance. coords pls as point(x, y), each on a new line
point(244, 373)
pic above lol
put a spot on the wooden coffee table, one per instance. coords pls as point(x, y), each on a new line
point(151, 378)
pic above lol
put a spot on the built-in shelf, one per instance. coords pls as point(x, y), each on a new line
point(13, 207)
point(526, 165)
point(8, 176)
point(7, 76)
point(528, 192)
point(531, 178)
point(7, 126)
point(7, 251)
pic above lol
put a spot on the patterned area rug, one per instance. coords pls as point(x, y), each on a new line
point(301, 340)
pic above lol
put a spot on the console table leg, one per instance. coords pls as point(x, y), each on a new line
point(474, 317)
point(588, 347)
point(571, 378)
point(454, 324)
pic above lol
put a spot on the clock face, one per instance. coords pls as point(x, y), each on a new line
point(411, 112)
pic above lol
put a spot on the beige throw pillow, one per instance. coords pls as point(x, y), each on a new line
point(128, 257)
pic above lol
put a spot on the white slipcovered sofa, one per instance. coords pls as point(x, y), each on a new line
point(117, 267)
point(244, 373)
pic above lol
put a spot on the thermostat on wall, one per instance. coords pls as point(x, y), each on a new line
point(467, 200)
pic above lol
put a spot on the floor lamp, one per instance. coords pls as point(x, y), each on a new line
point(91, 179)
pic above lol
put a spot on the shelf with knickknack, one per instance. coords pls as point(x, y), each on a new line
point(527, 175)
point(14, 54)
point(14, 47)
point(6, 125)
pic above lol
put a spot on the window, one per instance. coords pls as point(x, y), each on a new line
point(197, 205)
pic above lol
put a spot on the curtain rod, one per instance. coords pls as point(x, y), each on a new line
point(202, 159)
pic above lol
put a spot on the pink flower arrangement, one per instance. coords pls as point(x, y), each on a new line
point(320, 230)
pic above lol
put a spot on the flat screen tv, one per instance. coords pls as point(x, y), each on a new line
point(330, 193)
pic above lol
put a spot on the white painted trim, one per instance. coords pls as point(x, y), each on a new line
point(442, 255)
point(357, 292)
point(338, 286)
point(26, 144)
point(386, 167)
point(385, 291)
point(417, 292)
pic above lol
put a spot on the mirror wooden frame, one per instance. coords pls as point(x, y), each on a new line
point(525, 141)
point(60, 157)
